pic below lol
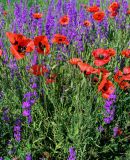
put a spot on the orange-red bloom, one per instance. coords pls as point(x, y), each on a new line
point(101, 56)
point(14, 38)
point(23, 46)
point(106, 87)
point(1, 52)
point(82, 66)
point(38, 70)
point(122, 78)
point(60, 39)
point(5, 13)
point(20, 44)
point(111, 52)
point(128, 12)
point(85, 67)
point(51, 79)
point(126, 70)
point(92, 9)
point(37, 15)
point(118, 76)
point(124, 85)
point(75, 61)
point(114, 7)
point(98, 16)
point(126, 74)
point(119, 132)
point(87, 23)
point(42, 45)
point(105, 72)
point(126, 53)
point(64, 20)
point(113, 14)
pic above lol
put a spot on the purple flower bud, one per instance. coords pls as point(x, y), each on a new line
point(26, 112)
point(17, 130)
point(107, 120)
point(5, 114)
point(116, 70)
point(72, 155)
point(28, 156)
point(115, 130)
point(100, 129)
point(34, 86)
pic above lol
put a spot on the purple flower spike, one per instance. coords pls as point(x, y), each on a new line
point(26, 104)
point(109, 109)
point(17, 130)
point(72, 155)
point(115, 130)
point(28, 156)
point(100, 129)
point(26, 112)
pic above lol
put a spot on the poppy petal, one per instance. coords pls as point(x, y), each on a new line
point(16, 54)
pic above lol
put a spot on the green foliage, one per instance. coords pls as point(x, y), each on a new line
point(69, 111)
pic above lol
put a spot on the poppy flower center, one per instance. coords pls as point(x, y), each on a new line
point(101, 56)
point(60, 39)
point(21, 49)
point(15, 43)
point(41, 46)
point(65, 20)
point(105, 88)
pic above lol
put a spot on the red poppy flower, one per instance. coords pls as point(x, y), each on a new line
point(106, 87)
point(98, 16)
point(122, 78)
point(126, 53)
point(93, 9)
point(105, 72)
point(114, 7)
point(124, 85)
point(53, 76)
point(38, 70)
point(37, 15)
point(5, 13)
point(126, 77)
point(23, 46)
point(100, 62)
point(113, 14)
point(90, 70)
point(60, 39)
point(126, 70)
point(15, 53)
point(51, 79)
point(95, 79)
point(119, 132)
point(101, 57)
point(14, 38)
point(111, 52)
point(64, 20)
point(42, 45)
point(75, 61)
point(87, 23)
point(126, 74)
point(1, 52)
point(118, 76)
point(128, 12)
point(82, 66)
